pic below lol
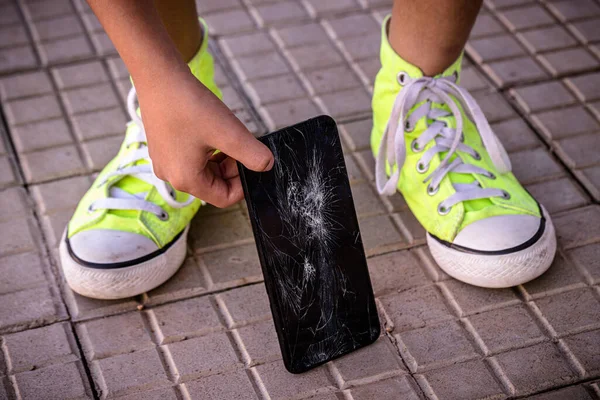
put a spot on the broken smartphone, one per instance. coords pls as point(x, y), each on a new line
point(310, 248)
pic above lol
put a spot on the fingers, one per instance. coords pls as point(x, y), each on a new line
point(216, 190)
point(241, 145)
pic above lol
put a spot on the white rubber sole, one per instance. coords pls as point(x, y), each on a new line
point(118, 283)
point(498, 271)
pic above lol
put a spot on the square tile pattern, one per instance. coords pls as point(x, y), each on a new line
point(534, 68)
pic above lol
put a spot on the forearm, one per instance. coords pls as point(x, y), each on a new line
point(136, 30)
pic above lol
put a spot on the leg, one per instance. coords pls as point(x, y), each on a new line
point(181, 21)
point(431, 34)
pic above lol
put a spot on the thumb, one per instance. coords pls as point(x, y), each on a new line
point(242, 146)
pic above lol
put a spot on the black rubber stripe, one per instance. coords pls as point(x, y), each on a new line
point(520, 247)
point(122, 264)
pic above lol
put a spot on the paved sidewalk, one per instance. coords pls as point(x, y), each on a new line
point(533, 65)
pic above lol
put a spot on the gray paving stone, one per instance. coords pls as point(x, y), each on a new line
point(48, 9)
point(390, 389)
point(64, 381)
point(366, 202)
point(469, 380)
point(57, 28)
point(107, 337)
point(346, 104)
point(515, 71)
point(379, 234)
point(571, 312)
point(244, 305)
point(97, 153)
point(353, 25)
point(362, 47)
point(21, 239)
point(543, 96)
point(21, 271)
point(318, 8)
point(7, 173)
point(205, 7)
point(280, 384)
point(568, 11)
point(52, 163)
point(586, 30)
point(103, 44)
point(396, 272)
point(233, 267)
point(65, 50)
point(90, 99)
point(494, 48)
point(221, 230)
point(13, 203)
point(53, 226)
point(586, 348)
point(578, 227)
point(17, 58)
point(357, 134)
point(586, 87)
point(534, 165)
point(379, 359)
point(258, 343)
point(331, 79)
point(273, 90)
point(486, 25)
point(546, 39)
point(25, 85)
point(471, 80)
point(280, 13)
point(235, 385)
point(279, 115)
point(565, 122)
point(562, 275)
point(99, 124)
point(129, 373)
point(60, 195)
point(32, 109)
point(203, 356)
point(505, 4)
point(260, 66)
point(551, 368)
point(41, 135)
point(495, 107)
point(559, 195)
point(573, 392)
point(569, 61)
point(184, 319)
point(158, 394)
point(314, 57)
point(187, 282)
point(84, 308)
point(505, 329)
point(415, 308)
point(38, 348)
point(435, 346)
point(588, 259)
point(74, 76)
point(579, 151)
point(247, 44)
point(526, 17)
point(229, 22)
point(30, 307)
point(468, 299)
point(515, 135)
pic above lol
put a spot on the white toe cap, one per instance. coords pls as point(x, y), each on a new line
point(498, 233)
point(105, 246)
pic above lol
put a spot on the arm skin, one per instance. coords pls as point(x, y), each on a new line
point(184, 121)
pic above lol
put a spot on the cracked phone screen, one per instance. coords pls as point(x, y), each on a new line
point(310, 247)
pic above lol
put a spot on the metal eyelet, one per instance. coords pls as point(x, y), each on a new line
point(476, 156)
point(422, 168)
point(91, 208)
point(505, 195)
point(462, 137)
point(490, 175)
point(401, 78)
point(415, 146)
point(455, 75)
point(432, 191)
point(163, 216)
point(407, 127)
point(443, 210)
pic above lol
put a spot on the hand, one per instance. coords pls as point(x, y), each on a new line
point(185, 123)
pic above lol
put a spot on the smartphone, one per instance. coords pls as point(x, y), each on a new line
point(310, 248)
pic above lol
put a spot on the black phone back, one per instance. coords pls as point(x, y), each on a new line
point(310, 248)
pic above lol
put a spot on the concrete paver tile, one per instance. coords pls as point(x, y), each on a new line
point(184, 319)
point(32, 109)
point(362, 47)
point(7, 174)
point(353, 25)
point(214, 231)
point(366, 202)
point(320, 8)
point(232, 99)
point(315, 57)
point(56, 28)
point(468, 299)
point(411, 228)
point(90, 98)
point(210, 6)
point(526, 17)
point(73, 76)
point(346, 104)
point(559, 195)
point(565, 122)
point(235, 385)
point(53, 226)
point(103, 44)
point(167, 393)
point(435, 346)
point(377, 360)
point(17, 58)
point(10, 14)
point(562, 275)
point(21, 271)
point(516, 135)
point(247, 44)
point(129, 373)
point(65, 50)
point(41, 347)
point(586, 87)
point(514, 71)
point(119, 334)
point(379, 234)
point(280, 384)
point(551, 369)
point(494, 106)
point(203, 356)
point(567, 11)
point(99, 152)
point(506, 4)
point(543, 96)
point(117, 68)
point(260, 66)
point(572, 393)
point(331, 79)
point(280, 13)
point(40, 135)
point(230, 21)
point(83, 308)
point(587, 30)
point(415, 308)
point(97, 124)
point(494, 48)
point(486, 25)
point(48, 9)
point(60, 195)
point(471, 80)
point(586, 348)
point(13, 203)
point(568, 61)
point(21, 238)
point(188, 281)
point(59, 381)
point(354, 174)
point(302, 35)
point(390, 389)
point(258, 343)
point(29, 307)
point(469, 380)
point(506, 328)
point(578, 227)
point(233, 267)
point(571, 312)
point(25, 85)
point(52, 163)
point(580, 151)
point(530, 166)
point(396, 272)
point(279, 115)
point(244, 305)
point(547, 39)
point(588, 259)
point(273, 90)
point(357, 134)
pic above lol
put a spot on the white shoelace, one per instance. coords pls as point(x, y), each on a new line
point(392, 150)
point(121, 200)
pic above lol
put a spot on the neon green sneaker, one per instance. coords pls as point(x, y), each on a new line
point(128, 233)
point(433, 143)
